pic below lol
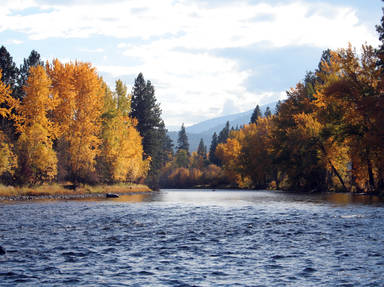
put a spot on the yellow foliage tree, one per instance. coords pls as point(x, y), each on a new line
point(37, 159)
point(350, 105)
point(7, 103)
point(79, 94)
point(8, 159)
point(122, 150)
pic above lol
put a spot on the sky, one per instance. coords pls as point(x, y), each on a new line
point(205, 58)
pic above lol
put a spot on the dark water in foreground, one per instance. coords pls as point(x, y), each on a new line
point(192, 238)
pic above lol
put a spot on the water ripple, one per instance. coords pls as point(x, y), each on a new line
point(220, 239)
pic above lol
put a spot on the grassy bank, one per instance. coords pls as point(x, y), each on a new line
point(67, 190)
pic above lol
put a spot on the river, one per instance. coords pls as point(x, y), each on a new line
point(195, 238)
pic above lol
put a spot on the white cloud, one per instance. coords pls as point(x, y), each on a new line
point(177, 40)
point(235, 24)
point(14, 42)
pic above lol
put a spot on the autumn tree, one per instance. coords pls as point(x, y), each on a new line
point(296, 158)
point(121, 152)
point(8, 159)
point(37, 159)
point(350, 104)
point(78, 114)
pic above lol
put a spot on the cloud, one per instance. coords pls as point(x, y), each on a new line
point(175, 43)
point(13, 42)
point(233, 24)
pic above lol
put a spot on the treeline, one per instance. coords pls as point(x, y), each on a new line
point(197, 169)
point(61, 122)
point(202, 168)
point(328, 135)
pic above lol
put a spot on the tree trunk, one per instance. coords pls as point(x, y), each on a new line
point(334, 169)
point(370, 173)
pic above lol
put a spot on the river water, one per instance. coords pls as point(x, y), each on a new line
point(195, 238)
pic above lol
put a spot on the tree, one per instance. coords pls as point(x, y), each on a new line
point(255, 115)
point(80, 96)
point(7, 103)
point(224, 134)
point(146, 110)
point(212, 156)
point(123, 99)
point(9, 78)
point(202, 149)
point(32, 61)
point(121, 151)
point(8, 159)
point(37, 159)
point(350, 104)
point(380, 50)
point(10, 71)
point(268, 112)
point(182, 141)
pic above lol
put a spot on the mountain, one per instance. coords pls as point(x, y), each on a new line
point(204, 130)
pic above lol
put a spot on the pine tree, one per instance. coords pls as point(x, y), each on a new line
point(202, 149)
point(9, 69)
point(212, 150)
point(146, 110)
point(9, 78)
point(182, 141)
point(255, 115)
point(32, 61)
point(380, 50)
point(267, 112)
point(224, 134)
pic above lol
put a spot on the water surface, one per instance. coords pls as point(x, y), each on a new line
point(195, 238)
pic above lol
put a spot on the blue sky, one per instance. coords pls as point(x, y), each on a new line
point(206, 58)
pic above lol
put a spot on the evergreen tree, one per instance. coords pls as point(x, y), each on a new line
point(182, 141)
point(267, 112)
point(212, 149)
point(32, 61)
point(380, 50)
point(224, 134)
point(9, 69)
point(255, 115)
point(9, 78)
point(146, 110)
point(202, 149)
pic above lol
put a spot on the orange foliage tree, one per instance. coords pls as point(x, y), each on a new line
point(37, 159)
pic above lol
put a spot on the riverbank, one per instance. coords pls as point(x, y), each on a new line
point(67, 191)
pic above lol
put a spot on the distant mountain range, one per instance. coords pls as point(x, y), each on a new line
point(204, 130)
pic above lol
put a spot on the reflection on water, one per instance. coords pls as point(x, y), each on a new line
point(350, 198)
point(195, 238)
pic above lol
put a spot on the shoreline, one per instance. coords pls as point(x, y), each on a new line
point(60, 192)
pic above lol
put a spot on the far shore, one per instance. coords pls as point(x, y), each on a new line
point(67, 191)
